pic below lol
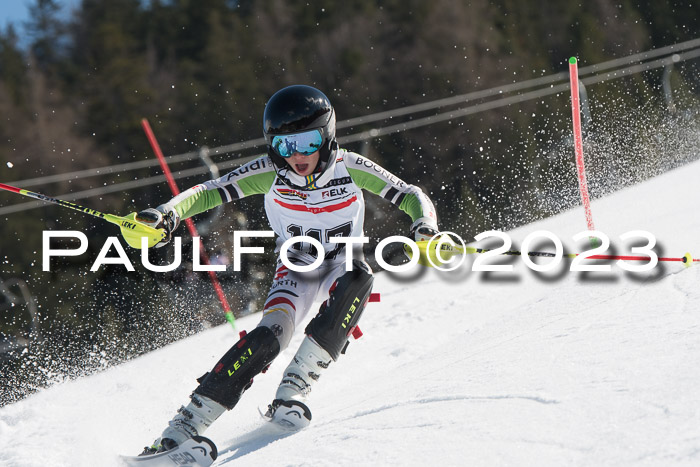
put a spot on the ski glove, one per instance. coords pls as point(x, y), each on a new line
point(160, 218)
point(422, 232)
point(424, 228)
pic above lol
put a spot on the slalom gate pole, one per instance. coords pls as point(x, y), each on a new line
point(190, 224)
point(153, 235)
point(578, 144)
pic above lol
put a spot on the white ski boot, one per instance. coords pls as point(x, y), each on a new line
point(289, 408)
point(189, 422)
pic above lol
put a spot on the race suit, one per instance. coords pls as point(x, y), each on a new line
point(334, 210)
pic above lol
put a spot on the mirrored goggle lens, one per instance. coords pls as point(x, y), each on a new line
point(305, 143)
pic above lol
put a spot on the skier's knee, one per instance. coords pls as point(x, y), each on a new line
point(339, 315)
point(233, 374)
point(281, 323)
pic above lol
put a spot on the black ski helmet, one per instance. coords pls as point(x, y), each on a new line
point(296, 109)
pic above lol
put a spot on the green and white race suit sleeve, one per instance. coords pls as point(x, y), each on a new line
point(409, 198)
point(255, 177)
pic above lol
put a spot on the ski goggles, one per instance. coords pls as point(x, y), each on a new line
point(305, 143)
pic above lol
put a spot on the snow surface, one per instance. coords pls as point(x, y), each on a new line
point(458, 368)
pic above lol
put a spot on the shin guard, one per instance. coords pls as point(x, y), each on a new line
point(339, 315)
point(234, 372)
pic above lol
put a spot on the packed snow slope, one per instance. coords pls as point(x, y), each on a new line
point(461, 368)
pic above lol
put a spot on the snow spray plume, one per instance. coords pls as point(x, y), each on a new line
point(189, 222)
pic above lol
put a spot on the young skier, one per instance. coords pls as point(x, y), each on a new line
point(311, 188)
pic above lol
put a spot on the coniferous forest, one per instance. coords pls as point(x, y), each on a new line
point(74, 89)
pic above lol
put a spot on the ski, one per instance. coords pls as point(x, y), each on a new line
point(196, 452)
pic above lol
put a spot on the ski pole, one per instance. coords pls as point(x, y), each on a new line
point(190, 224)
point(451, 250)
point(687, 259)
point(132, 229)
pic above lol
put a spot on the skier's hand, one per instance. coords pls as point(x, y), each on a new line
point(160, 218)
point(423, 229)
point(422, 232)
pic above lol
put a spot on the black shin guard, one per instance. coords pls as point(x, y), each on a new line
point(339, 315)
point(233, 373)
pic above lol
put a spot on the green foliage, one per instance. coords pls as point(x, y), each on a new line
point(45, 31)
point(12, 69)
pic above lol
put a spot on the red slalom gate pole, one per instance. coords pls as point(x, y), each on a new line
point(578, 142)
point(190, 224)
